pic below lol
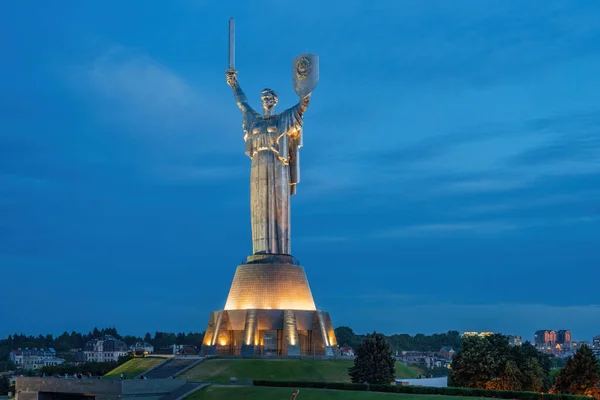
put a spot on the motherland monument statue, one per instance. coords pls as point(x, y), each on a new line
point(270, 309)
point(273, 142)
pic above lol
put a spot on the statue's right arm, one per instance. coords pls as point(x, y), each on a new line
point(238, 93)
point(240, 98)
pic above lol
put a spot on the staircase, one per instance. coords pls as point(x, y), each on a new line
point(170, 368)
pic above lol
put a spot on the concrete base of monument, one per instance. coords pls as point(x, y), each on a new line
point(269, 333)
point(270, 311)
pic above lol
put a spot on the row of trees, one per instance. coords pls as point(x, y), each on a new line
point(403, 342)
point(75, 340)
point(491, 363)
point(67, 341)
point(93, 368)
point(62, 343)
point(344, 334)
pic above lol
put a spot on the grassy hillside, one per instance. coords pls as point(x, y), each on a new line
point(134, 367)
point(284, 370)
point(270, 393)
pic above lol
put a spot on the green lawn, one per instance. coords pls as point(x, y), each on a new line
point(134, 367)
point(282, 370)
point(272, 393)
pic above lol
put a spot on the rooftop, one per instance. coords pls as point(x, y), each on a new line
point(108, 343)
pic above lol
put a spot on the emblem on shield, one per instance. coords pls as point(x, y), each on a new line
point(305, 74)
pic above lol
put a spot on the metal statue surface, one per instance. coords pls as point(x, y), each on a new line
point(272, 142)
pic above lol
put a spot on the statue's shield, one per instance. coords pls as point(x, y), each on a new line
point(305, 74)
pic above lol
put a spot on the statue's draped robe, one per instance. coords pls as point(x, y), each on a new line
point(272, 142)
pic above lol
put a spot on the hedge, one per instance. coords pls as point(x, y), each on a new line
point(446, 391)
point(315, 385)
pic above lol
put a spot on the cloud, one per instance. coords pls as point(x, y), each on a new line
point(139, 81)
point(138, 90)
point(166, 123)
point(514, 131)
point(545, 200)
point(481, 227)
point(322, 183)
point(491, 122)
point(482, 185)
point(16, 182)
point(584, 219)
point(321, 239)
point(572, 146)
point(380, 296)
point(474, 43)
point(482, 158)
point(191, 174)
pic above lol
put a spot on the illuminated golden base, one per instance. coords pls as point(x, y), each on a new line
point(270, 311)
point(265, 286)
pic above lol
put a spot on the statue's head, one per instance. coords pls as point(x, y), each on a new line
point(269, 99)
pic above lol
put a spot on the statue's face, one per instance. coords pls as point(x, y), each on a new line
point(269, 99)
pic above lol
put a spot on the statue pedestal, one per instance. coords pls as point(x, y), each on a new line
point(270, 311)
point(270, 282)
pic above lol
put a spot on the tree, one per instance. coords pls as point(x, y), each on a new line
point(373, 363)
point(7, 365)
point(490, 363)
point(580, 373)
point(536, 367)
point(475, 364)
point(511, 377)
point(346, 337)
point(534, 377)
point(420, 342)
point(4, 385)
point(130, 340)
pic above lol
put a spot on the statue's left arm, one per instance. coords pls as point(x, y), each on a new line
point(303, 105)
point(291, 121)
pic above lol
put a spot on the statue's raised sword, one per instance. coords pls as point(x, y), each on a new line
point(232, 44)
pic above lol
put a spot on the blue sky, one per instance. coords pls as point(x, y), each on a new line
point(450, 168)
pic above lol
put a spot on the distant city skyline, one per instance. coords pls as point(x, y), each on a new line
point(450, 169)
